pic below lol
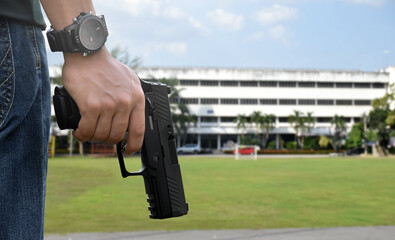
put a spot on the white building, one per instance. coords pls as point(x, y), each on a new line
point(217, 95)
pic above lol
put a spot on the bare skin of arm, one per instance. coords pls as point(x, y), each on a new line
point(107, 92)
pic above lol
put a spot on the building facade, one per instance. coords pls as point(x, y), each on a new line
point(218, 95)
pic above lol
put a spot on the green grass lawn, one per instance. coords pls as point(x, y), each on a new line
point(89, 194)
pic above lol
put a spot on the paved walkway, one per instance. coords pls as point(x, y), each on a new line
point(341, 233)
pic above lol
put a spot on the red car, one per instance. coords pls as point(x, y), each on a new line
point(246, 150)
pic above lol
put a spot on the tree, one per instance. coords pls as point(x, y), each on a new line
point(181, 121)
point(256, 121)
point(241, 121)
point(355, 137)
point(267, 123)
point(297, 121)
point(123, 56)
point(381, 115)
point(340, 131)
point(310, 122)
point(387, 100)
point(377, 121)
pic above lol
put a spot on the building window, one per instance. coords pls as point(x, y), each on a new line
point(229, 101)
point(307, 84)
point(362, 85)
point(344, 85)
point(306, 101)
point(228, 119)
point(189, 82)
point(189, 100)
point(357, 119)
point(324, 119)
point(362, 102)
point(229, 83)
point(208, 119)
point(248, 83)
point(347, 119)
point(249, 101)
point(287, 101)
point(378, 85)
point(344, 102)
point(283, 120)
point(268, 84)
point(209, 101)
point(325, 102)
point(287, 84)
point(268, 101)
point(209, 83)
point(325, 84)
point(173, 100)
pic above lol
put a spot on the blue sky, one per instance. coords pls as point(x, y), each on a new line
point(308, 34)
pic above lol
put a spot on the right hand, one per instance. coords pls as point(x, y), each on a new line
point(109, 96)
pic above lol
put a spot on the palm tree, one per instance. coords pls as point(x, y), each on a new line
point(181, 121)
point(298, 123)
point(309, 121)
point(241, 121)
point(256, 121)
point(340, 131)
point(267, 123)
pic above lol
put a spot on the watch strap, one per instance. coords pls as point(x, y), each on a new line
point(60, 41)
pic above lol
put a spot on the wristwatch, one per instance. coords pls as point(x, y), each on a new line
point(86, 35)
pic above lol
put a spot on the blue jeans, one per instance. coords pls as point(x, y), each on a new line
point(25, 112)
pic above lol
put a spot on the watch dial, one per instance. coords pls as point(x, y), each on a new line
point(92, 34)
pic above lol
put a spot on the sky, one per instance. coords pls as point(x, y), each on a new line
point(282, 34)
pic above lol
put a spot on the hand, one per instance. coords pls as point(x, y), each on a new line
point(109, 96)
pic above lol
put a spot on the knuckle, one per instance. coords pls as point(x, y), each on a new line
point(140, 98)
point(124, 100)
point(109, 105)
point(139, 130)
point(91, 106)
point(82, 136)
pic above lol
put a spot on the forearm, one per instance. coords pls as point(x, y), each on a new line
point(62, 12)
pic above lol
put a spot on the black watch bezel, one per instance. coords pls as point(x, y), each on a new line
point(80, 23)
point(68, 39)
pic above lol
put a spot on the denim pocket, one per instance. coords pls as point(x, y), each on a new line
point(7, 73)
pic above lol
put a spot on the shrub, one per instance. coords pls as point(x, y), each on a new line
point(310, 143)
point(291, 145)
point(272, 145)
point(323, 142)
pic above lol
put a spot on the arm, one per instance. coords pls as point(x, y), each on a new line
point(107, 92)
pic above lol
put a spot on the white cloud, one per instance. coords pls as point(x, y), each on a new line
point(260, 35)
point(196, 24)
point(276, 13)
point(226, 20)
point(173, 12)
point(139, 7)
point(153, 10)
point(175, 48)
point(369, 2)
point(282, 34)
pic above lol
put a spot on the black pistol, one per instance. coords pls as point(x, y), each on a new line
point(160, 168)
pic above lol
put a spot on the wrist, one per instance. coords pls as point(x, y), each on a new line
point(71, 57)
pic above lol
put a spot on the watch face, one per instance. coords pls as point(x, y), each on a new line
point(92, 34)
